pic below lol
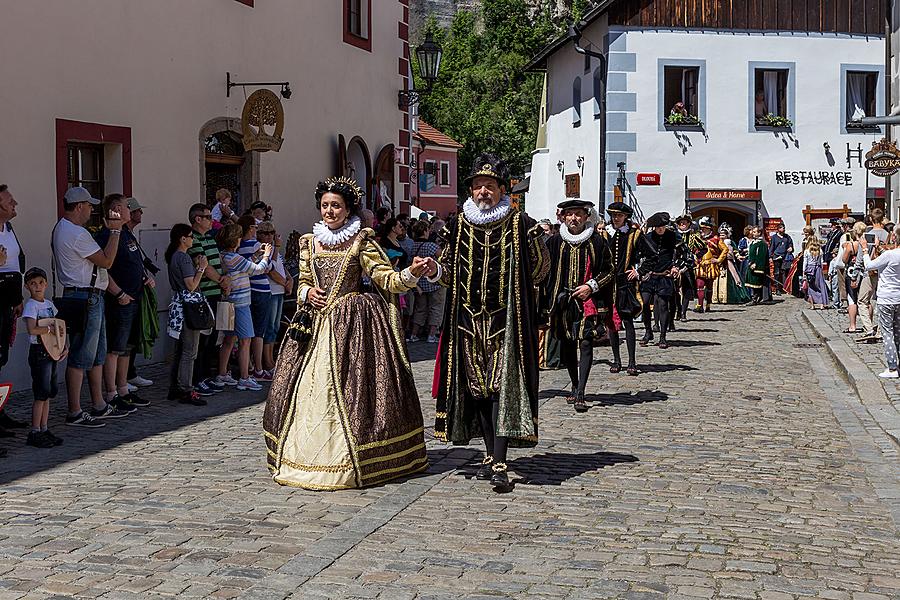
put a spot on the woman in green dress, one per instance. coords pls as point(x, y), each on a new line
point(757, 264)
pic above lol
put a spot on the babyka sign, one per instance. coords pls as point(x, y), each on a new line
point(883, 159)
point(724, 195)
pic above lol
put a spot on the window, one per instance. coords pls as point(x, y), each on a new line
point(85, 169)
point(357, 23)
point(861, 94)
point(576, 102)
point(770, 105)
point(681, 104)
point(445, 174)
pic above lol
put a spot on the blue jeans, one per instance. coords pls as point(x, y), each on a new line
point(88, 349)
point(277, 307)
point(43, 373)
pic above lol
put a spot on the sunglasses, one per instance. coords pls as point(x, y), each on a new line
point(209, 216)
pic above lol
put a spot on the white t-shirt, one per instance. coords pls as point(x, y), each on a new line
point(217, 212)
point(278, 267)
point(72, 245)
point(38, 310)
point(8, 241)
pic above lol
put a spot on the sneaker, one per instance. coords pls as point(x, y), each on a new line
point(56, 440)
point(888, 374)
point(135, 400)
point(226, 379)
point(412, 338)
point(84, 419)
point(140, 381)
point(132, 388)
point(261, 376)
point(213, 385)
point(248, 384)
point(201, 389)
point(432, 339)
point(192, 398)
point(111, 412)
point(39, 439)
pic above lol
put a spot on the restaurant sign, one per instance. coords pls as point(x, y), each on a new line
point(883, 159)
point(724, 194)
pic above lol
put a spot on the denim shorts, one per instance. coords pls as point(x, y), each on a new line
point(260, 309)
point(243, 323)
point(121, 326)
point(274, 319)
point(88, 349)
point(43, 373)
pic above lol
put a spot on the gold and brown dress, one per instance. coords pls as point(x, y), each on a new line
point(343, 412)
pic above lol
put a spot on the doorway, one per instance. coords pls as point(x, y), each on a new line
point(736, 220)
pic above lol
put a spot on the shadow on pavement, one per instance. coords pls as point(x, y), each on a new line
point(666, 367)
point(626, 398)
point(553, 469)
point(692, 343)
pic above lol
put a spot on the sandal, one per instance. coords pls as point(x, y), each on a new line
point(633, 371)
point(570, 399)
point(580, 405)
point(615, 368)
point(663, 345)
point(848, 330)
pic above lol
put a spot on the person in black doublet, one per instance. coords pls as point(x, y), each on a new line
point(658, 274)
point(626, 240)
point(576, 298)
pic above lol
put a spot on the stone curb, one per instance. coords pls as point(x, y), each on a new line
point(860, 377)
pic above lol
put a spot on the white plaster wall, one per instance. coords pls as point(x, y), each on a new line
point(729, 156)
point(159, 68)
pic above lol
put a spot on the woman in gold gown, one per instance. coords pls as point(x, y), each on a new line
point(343, 411)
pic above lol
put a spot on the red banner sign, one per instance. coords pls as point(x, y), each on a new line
point(724, 194)
point(648, 178)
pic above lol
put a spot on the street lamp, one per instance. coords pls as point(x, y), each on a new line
point(428, 54)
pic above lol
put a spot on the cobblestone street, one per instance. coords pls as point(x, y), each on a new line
point(739, 465)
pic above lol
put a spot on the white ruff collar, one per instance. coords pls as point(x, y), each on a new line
point(476, 216)
point(611, 230)
point(336, 237)
point(576, 239)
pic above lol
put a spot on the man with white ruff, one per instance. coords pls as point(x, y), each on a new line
point(488, 356)
point(576, 298)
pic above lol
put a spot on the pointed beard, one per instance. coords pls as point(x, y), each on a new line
point(485, 204)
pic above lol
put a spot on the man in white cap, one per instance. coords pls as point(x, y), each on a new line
point(80, 267)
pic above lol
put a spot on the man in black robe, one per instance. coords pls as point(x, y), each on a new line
point(493, 259)
point(658, 276)
point(576, 297)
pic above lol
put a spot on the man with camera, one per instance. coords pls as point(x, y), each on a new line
point(80, 266)
point(868, 286)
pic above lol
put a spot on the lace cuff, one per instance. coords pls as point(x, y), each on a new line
point(303, 293)
point(408, 279)
point(437, 276)
point(592, 283)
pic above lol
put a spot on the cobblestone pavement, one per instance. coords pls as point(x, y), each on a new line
point(737, 466)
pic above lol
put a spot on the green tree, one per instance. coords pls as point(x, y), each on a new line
point(482, 97)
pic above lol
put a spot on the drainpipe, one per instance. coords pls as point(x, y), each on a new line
point(575, 36)
point(888, 81)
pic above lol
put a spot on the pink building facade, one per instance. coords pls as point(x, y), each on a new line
point(436, 159)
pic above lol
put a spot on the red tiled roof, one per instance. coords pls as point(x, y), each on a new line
point(435, 137)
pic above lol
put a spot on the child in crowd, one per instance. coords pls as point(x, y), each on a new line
point(239, 269)
point(43, 366)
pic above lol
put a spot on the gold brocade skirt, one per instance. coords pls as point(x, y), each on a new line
point(351, 413)
point(708, 271)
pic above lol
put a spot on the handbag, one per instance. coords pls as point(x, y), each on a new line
point(627, 303)
point(198, 315)
point(300, 329)
point(225, 316)
point(74, 311)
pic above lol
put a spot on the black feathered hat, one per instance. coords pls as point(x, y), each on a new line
point(489, 165)
point(659, 219)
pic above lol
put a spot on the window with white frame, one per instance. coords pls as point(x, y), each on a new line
point(445, 174)
point(861, 97)
point(681, 95)
point(770, 106)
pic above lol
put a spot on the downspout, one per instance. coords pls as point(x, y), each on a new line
point(575, 36)
point(888, 82)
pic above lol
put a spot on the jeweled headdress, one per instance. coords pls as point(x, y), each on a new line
point(344, 186)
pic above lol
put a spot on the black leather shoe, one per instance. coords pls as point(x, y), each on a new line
point(484, 473)
point(500, 479)
point(7, 422)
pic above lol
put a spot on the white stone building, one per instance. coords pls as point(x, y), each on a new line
point(732, 167)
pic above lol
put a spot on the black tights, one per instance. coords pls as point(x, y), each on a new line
point(661, 307)
point(630, 342)
point(579, 367)
point(488, 411)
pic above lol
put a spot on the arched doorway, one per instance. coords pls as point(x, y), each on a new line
point(737, 220)
point(225, 164)
point(383, 193)
point(359, 167)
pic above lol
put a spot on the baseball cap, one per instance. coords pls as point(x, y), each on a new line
point(133, 204)
point(34, 272)
point(79, 194)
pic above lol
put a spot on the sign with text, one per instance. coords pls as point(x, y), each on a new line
point(573, 185)
point(814, 178)
point(648, 179)
point(883, 159)
point(724, 194)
